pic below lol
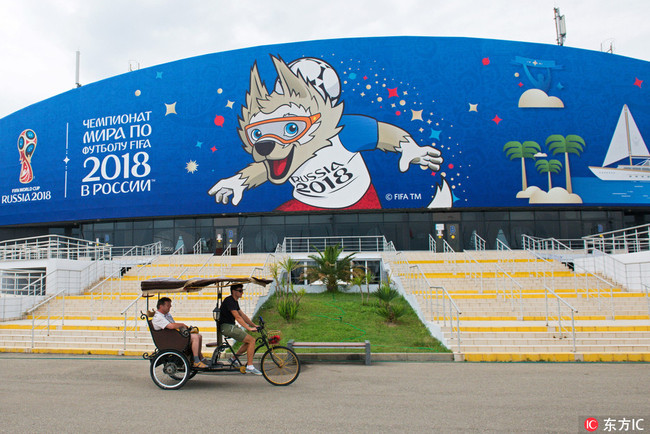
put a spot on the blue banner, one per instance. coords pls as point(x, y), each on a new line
point(349, 124)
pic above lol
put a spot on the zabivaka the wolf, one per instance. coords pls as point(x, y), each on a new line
point(298, 133)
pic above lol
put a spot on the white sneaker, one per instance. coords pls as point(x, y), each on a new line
point(234, 361)
point(252, 370)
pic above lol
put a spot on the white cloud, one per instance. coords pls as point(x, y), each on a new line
point(535, 98)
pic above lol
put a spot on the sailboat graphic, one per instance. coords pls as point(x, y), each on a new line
point(627, 142)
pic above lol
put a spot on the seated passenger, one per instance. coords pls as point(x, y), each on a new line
point(163, 320)
point(230, 312)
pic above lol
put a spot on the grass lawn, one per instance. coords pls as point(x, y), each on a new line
point(341, 317)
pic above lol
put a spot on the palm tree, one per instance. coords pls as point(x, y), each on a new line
point(548, 167)
point(524, 150)
point(329, 268)
point(360, 277)
point(570, 144)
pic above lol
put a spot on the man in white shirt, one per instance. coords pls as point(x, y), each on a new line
point(162, 319)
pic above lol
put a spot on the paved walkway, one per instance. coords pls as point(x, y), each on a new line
point(42, 393)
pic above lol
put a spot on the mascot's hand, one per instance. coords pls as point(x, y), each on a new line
point(426, 156)
point(223, 189)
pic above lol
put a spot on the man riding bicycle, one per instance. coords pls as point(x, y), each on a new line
point(230, 312)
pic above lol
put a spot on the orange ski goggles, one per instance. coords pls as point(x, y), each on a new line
point(285, 130)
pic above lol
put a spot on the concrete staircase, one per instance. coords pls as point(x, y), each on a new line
point(96, 322)
point(506, 321)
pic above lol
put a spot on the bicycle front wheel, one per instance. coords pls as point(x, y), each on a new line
point(280, 366)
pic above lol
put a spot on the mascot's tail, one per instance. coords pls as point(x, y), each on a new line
point(443, 197)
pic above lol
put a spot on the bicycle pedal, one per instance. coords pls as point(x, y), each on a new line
point(242, 369)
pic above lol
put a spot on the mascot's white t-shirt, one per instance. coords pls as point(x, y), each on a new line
point(333, 178)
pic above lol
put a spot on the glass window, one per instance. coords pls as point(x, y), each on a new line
point(158, 224)
point(144, 224)
point(371, 218)
point(496, 216)
point(105, 226)
point(395, 217)
point(346, 218)
point(472, 216)
point(123, 226)
point(320, 218)
point(522, 215)
point(297, 219)
point(419, 217)
point(273, 220)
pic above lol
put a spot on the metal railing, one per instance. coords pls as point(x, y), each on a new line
point(559, 315)
point(501, 246)
point(432, 244)
point(602, 287)
point(450, 311)
point(52, 247)
point(474, 270)
point(477, 242)
point(508, 285)
point(153, 249)
point(240, 247)
point(136, 315)
point(629, 240)
point(347, 243)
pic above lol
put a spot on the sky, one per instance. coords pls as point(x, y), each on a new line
point(39, 38)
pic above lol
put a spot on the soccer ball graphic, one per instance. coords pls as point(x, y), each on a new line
point(319, 73)
point(26, 148)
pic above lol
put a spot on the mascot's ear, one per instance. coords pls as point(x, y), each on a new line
point(257, 91)
point(291, 83)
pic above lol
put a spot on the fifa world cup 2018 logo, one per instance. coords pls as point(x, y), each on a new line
point(26, 147)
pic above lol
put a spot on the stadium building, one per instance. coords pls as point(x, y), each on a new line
point(412, 138)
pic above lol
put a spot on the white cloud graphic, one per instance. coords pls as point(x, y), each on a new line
point(535, 98)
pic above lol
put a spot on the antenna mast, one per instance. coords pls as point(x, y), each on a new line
point(77, 83)
point(560, 26)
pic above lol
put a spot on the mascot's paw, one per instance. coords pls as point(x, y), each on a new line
point(222, 190)
point(426, 156)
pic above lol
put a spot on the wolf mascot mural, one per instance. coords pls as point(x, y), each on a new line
point(298, 133)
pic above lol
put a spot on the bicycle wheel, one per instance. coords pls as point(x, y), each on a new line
point(170, 370)
point(280, 366)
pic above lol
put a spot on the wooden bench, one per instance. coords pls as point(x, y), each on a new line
point(292, 344)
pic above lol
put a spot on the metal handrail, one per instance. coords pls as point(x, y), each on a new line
point(559, 314)
point(502, 246)
point(586, 274)
point(474, 274)
point(635, 238)
point(432, 244)
point(48, 314)
point(478, 242)
point(604, 269)
point(445, 296)
point(347, 243)
point(152, 249)
point(512, 291)
point(135, 322)
point(240, 247)
point(197, 248)
point(52, 246)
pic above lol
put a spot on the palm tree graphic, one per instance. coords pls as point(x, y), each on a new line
point(522, 151)
point(548, 167)
point(570, 144)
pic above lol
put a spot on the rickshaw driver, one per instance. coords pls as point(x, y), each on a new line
point(162, 319)
point(230, 312)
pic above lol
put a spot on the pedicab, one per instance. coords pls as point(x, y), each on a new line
point(171, 365)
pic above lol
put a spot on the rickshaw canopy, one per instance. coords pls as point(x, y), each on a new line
point(157, 285)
